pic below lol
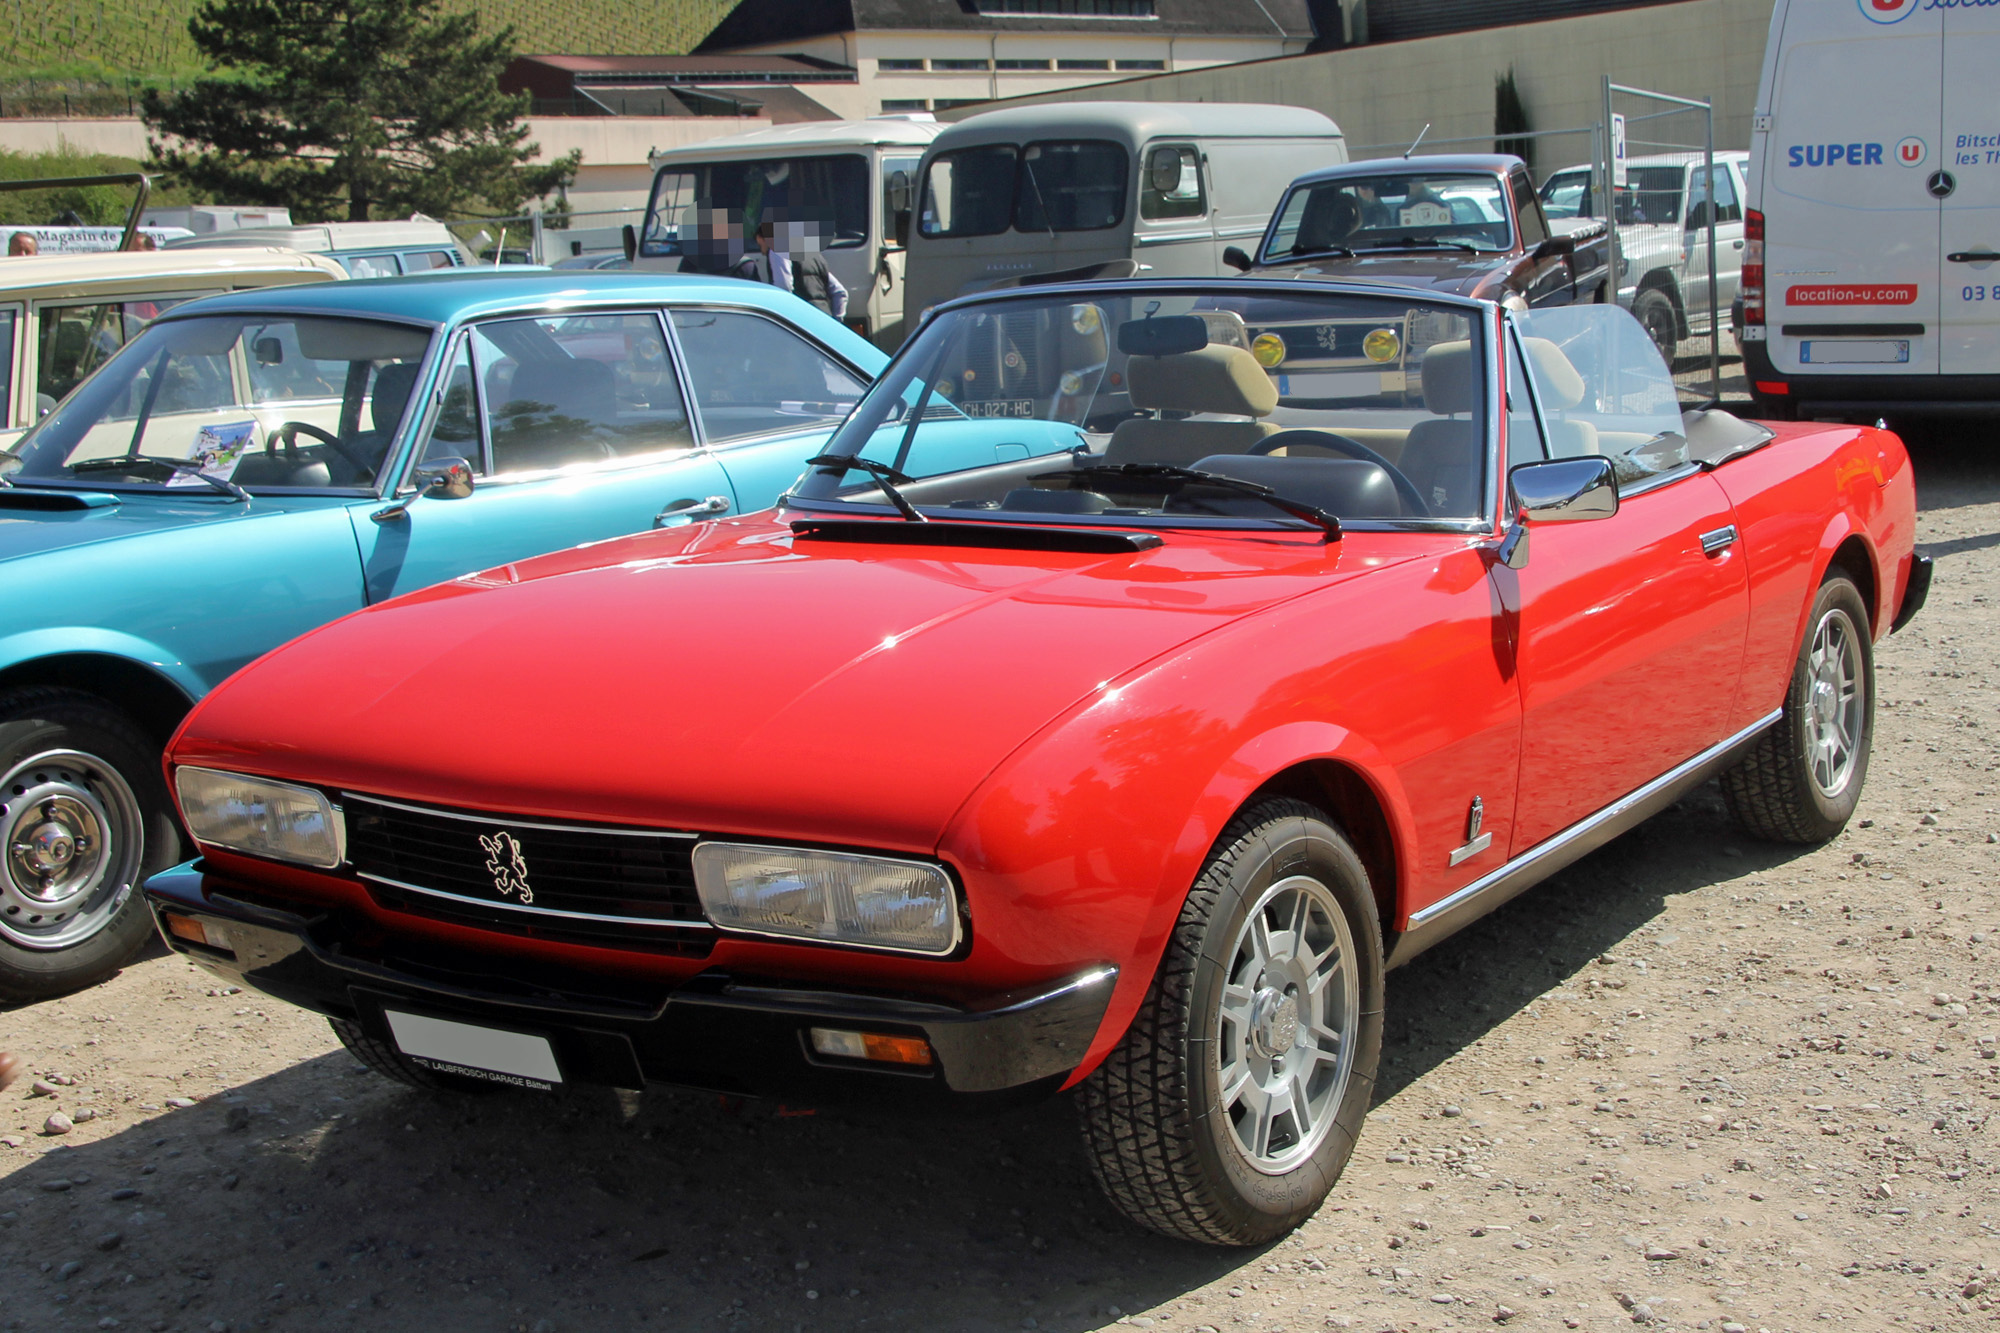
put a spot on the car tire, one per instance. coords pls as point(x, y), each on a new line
point(1654, 310)
point(1803, 776)
point(1178, 1149)
point(84, 818)
point(391, 1063)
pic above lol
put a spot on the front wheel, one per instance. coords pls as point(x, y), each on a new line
point(1654, 310)
point(1803, 776)
point(1232, 1105)
point(84, 818)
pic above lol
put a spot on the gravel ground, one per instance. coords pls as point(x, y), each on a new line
point(1696, 1081)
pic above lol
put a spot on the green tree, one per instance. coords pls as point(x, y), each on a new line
point(350, 108)
point(1510, 117)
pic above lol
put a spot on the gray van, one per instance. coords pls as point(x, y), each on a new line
point(1103, 189)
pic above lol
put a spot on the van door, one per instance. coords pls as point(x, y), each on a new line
point(1969, 230)
point(1247, 178)
point(1174, 237)
point(1850, 248)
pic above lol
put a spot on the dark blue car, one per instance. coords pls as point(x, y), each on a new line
point(251, 466)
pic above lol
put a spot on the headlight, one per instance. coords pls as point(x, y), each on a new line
point(259, 816)
point(832, 897)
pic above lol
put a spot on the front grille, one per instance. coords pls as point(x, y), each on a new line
point(527, 876)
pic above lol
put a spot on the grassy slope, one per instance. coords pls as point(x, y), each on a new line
point(149, 37)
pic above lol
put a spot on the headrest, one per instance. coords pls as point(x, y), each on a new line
point(393, 383)
point(1447, 374)
point(1555, 377)
point(1330, 217)
point(1224, 380)
point(577, 387)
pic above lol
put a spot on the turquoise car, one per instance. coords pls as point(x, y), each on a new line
point(251, 466)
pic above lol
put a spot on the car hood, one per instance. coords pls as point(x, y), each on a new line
point(733, 678)
point(1451, 271)
point(35, 521)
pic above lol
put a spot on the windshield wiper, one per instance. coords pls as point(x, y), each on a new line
point(886, 477)
point(190, 466)
point(1412, 243)
point(1318, 251)
point(1187, 476)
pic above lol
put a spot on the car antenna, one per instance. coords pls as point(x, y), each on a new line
point(1414, 142)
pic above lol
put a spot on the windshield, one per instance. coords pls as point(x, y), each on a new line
point(1465, 210)
point(1651, 194)
point(260, 401)
point(1567, 195)
point(1365, 407)
point(1052, 186)
point(830, 192)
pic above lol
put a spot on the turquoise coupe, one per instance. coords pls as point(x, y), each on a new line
point(251, 466)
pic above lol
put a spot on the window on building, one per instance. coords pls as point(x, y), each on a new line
point(1020, 64)
point(1074, 9)
point(1083, 64)
point(960, 65)
point(905, 104)
point(947, 103)
point(1142, 64)
point(898, 64)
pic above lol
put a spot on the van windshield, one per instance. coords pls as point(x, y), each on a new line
point(1068, 185)
point(830, 190)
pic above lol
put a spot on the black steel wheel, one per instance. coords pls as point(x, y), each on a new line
point(1654, 310)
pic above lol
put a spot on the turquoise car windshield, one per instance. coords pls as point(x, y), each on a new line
point(252, 401)
point(1097, 403)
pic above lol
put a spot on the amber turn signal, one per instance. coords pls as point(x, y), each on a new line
point(878, 1046)
point(192, 930)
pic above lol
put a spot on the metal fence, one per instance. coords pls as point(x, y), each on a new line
point(1677, 255)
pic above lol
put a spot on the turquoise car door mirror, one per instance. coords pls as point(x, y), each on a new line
point(447, 479)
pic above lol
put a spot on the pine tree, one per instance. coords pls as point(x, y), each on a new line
point(350, 108)
point(1510, 117)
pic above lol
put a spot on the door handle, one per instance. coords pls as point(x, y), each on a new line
point(1719, 540)
point(1972, 257)
point(686, 511)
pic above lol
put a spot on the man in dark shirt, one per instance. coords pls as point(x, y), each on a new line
point(799, 267)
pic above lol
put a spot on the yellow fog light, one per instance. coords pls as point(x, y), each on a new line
point(1085, 319)
point(878, 1046)
point(1269, 349)
point(1381, 345)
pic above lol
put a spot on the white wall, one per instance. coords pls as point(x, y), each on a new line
point(1385, 94)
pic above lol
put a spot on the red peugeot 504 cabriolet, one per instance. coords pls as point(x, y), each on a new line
point(1141, 671)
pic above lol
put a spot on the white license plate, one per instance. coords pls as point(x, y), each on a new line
point(445, 1047)
point(1856, 352)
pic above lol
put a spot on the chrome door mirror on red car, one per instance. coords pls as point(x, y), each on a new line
point(1560, 490)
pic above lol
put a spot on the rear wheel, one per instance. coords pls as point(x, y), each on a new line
point(1232, 1105)
point(1803, 777)
point(84, 818)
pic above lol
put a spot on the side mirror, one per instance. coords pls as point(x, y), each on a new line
point(1555, 247)
point(631, 240)
point(1163, 170)
point(268, 351)
point(1561, 490)
point(1236, 259)
point(897, 192)
point(447, 479)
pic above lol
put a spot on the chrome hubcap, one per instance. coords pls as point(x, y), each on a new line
point(71, 833)
point(1289, 1012)
point(1835, 702)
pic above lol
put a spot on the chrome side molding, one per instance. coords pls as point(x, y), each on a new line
point(1449, 915)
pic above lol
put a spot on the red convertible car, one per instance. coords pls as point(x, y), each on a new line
point(1141, 671)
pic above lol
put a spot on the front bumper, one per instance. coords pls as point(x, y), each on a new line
point(1915, 594)
point(716, 1031)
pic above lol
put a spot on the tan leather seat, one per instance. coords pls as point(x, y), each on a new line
point(1217, 380)
point(1443, 457)
point(1560, 388)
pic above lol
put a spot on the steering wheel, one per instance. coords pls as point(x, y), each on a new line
point(1406, 490)
point(287, 437)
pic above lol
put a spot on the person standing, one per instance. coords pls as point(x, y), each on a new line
point(804, 273)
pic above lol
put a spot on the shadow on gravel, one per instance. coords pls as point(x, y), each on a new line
point(383, 1209)
point(1455, 994)
point(1956, 460)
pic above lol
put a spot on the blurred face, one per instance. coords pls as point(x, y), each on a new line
point(22, 243)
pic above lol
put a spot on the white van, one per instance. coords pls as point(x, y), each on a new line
point(1871, 278)
point(364, 249)
point(852, 176)
point(1100, 189)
